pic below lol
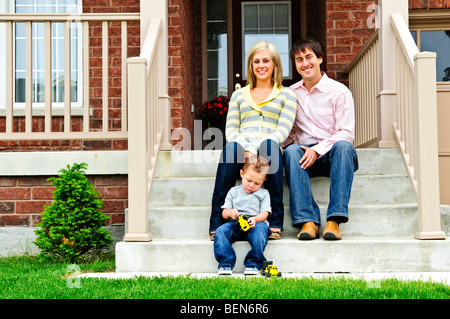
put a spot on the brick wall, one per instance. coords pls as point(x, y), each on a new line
point(347, 30)
point(184, 54)
point(22, 199)
point(346, 33)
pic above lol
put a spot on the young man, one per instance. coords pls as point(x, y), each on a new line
point(322, 135)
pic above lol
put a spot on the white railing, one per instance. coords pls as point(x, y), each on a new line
point(145, 131)
point(416, 125)
point(49, 112)
point(364, 85)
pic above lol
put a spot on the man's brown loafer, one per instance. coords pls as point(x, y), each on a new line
point(309, 231)
point(331, 231)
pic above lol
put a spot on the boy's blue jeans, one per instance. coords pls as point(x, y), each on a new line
point(339, 164)
point(231, 232)
point(231, 162)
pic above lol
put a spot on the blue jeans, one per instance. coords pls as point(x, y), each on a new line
point(231, 232)
point(231, 162)
point(339, 164)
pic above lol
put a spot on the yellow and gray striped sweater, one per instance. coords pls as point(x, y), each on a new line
point(249, 123)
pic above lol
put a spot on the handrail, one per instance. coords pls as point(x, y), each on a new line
point(407, 43)
point(58, 17)
point(363, 51)
point(416, 127)
point(364, 85)
point(145, 133)
point(48, 110)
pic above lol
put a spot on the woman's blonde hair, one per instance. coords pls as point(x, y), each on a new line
point(277, 75)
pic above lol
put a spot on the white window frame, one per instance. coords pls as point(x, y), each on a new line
point(38, 107)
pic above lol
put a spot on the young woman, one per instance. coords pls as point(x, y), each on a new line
point(260, 118)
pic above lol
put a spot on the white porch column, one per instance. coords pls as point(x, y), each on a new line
point(150, 9)
point(386, 101)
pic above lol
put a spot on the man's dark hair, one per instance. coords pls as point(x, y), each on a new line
point(303, 44)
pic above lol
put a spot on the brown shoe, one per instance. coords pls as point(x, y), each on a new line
point(309, 231)
point(331, 231)
point(276, 234)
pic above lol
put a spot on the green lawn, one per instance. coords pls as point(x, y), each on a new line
point(27, 278)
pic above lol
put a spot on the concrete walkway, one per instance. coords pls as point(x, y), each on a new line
point(371, 278)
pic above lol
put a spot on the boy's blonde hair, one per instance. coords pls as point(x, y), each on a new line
point(277, 76)
point(258, 164)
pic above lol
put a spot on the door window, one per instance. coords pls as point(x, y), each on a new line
point(269, 21)
point(217, 48)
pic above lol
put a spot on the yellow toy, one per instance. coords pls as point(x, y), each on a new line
point(270, 270)
point(243, 222)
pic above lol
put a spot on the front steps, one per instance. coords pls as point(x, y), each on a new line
point(378, 237)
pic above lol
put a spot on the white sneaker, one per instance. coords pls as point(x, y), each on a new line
point(225, 271)
point(251, 271)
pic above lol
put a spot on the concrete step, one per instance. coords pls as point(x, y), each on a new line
point(367, 189)
point(204, 163)
point(365, 220)
point(349, 255)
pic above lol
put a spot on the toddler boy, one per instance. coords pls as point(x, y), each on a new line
point(251, 200)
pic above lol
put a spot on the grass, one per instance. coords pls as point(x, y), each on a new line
point(27, 278)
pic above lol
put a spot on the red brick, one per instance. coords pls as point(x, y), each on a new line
point(14, 220)
point(15, 193)
point(6, 207)
point(31, 206)
point(116, 192)
point(43, 193)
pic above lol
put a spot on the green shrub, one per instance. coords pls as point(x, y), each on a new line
point(72, 226)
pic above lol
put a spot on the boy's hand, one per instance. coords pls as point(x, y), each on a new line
point(230, 213)
point(251, 221)
point(258, 218)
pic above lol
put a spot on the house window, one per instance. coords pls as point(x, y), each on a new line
point(432, 34)
point(48, 7)
point(439, 42)
point(38, 53)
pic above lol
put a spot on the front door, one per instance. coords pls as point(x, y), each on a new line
point(231, 27)
point(277, 22)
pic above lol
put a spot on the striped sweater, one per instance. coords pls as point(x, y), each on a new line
point(249, 124)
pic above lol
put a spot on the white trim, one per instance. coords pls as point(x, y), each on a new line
point(49, 163)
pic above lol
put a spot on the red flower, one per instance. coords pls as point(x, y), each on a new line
point(215, 108)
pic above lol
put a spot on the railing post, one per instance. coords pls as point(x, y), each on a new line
point(386, 101)
point(427, 172)
point(138, 166)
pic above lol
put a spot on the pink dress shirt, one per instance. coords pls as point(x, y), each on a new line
point(325, 115)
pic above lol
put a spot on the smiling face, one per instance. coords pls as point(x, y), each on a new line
point(263, 65)
point(252, 180)
point(308, 65)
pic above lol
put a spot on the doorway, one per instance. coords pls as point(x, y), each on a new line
point(231, 27)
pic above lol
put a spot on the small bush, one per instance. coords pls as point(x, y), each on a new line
point(72, 226)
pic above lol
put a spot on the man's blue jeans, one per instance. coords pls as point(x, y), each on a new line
point(339, 164)
point(231, 162)
point(231, 232)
